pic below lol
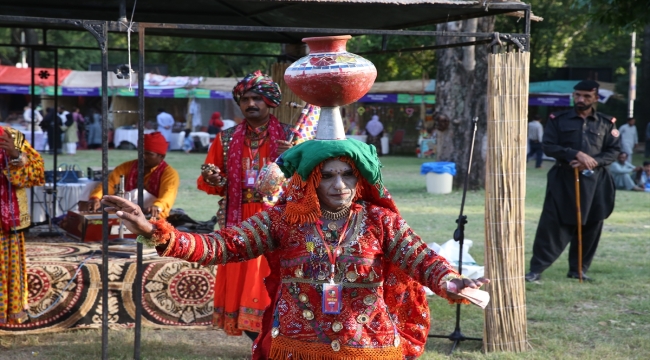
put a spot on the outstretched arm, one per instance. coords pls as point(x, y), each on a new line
point(250, 239)
point(407, 250)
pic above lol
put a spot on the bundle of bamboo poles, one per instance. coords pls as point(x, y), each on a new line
point(289, 111)
point(505, 190)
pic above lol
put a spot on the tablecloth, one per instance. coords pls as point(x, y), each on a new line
point(68, 195)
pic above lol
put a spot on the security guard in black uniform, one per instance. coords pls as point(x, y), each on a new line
point(588, 140)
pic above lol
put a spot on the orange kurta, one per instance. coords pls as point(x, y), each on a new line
point(169, 183)
point(240, 297)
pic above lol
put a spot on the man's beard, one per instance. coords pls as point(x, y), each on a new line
point(582, 107)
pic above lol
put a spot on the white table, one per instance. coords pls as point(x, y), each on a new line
point(128, 135)
point(177, 140)
point(40, 139)
point(361, 138)
point(68, 195)
point(204, 137)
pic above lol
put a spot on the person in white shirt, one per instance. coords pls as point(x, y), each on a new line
point(165, 124)
point(535, 136)
point(622, 173)
point(27, 116)
point(629, 138)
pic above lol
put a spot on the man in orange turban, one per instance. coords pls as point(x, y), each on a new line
point(160, 179)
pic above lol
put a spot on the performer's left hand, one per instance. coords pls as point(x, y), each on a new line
point(469, 283)
point(7, 144)
point(131, 214)
point(283, 146)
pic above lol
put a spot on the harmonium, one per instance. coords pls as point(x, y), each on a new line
point(87, 226)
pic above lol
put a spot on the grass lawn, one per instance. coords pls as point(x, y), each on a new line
point(607, 319)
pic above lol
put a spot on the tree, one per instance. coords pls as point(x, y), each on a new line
point(624, 15)
point(461, 90)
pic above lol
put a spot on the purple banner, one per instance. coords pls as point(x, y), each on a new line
point(378, 98)
point(163, 93)
point(549, 100)
point(214, 94)
point(80, 91)
point(14, 89)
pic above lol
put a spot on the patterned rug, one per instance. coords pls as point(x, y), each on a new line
point(175, 293)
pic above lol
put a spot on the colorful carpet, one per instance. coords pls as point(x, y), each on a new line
point(175, 293)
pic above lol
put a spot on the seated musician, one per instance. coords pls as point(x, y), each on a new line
point(160, 179)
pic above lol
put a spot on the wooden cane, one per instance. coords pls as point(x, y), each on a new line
point(579, 212)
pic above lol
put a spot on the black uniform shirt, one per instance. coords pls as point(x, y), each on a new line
point(567, 133)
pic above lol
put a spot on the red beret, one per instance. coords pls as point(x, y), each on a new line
point(155, 142)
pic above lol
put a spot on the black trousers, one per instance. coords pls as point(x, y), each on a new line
point(552, 237)
point(536, 150)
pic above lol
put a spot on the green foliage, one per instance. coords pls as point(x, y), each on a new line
point(622, 15)
point(401, 65)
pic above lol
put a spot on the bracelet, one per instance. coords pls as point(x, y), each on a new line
point(450, 277)
point(17, 161)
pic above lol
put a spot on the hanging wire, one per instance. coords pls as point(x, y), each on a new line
point(129, 30)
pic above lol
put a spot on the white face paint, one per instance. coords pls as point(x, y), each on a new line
point(338, 185)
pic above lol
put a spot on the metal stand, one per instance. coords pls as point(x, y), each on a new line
point(51, 232)
point(459, 235)
point(121, 193)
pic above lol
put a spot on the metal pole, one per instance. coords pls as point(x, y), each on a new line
point(105, 229)
point(632, 91)
point(32, 92)
point(137, 286)
point(57, 134)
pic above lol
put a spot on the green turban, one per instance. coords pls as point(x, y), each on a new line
point(303, 158)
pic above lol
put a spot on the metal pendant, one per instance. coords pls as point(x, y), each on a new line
point(322, 276)
point(371, 276)
point(369, 299)
point(332, 226)
point(303, 298)
point(363, 318)
point(275, 332)
point(337, 326)
point(328, 235)
point(336, 345)
point(298, 273)
point(351, 276)
point(308, 314)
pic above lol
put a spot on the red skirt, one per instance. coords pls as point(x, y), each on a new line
point(236, 310)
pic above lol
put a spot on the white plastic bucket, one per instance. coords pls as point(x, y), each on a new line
point(439, 183)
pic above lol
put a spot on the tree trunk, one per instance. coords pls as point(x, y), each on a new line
point(642, 113)
point(461, 89)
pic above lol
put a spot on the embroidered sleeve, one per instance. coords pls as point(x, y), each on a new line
point(250, 239)
point(30, 171)
point(406, 249)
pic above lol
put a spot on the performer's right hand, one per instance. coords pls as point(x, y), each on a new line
point(130, 213)
point(211, 178)
point(95, 204)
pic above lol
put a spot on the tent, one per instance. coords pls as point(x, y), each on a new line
point(558, 92)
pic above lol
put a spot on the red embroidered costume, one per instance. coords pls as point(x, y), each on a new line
point(382, 267)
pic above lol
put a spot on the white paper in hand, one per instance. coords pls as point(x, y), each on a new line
point(475, 296)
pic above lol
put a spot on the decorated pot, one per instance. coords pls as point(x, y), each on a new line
point(270, 180)
point(330, 77)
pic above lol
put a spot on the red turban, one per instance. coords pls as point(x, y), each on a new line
point(215, 120)
point(155, 142)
